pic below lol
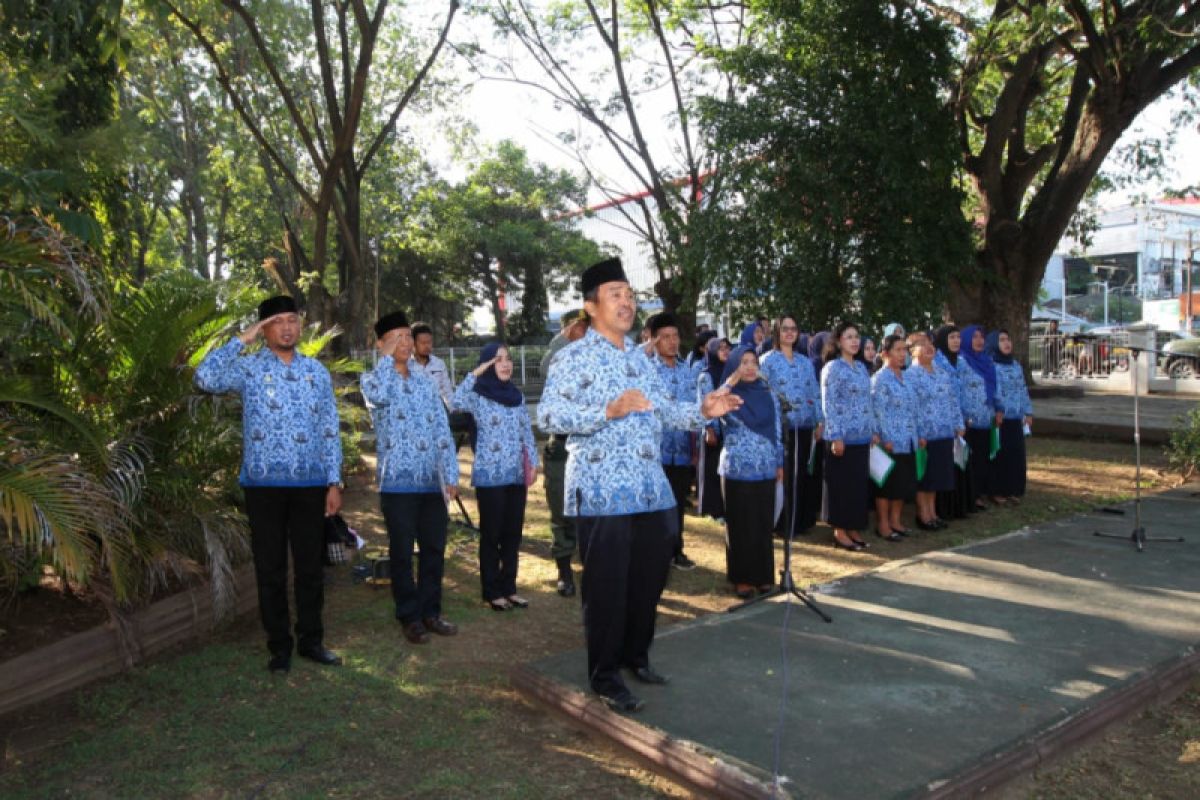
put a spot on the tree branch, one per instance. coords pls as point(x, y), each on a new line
point(390, 126)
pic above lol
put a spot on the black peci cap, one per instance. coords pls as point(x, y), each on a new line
point(606, 271)
point(663, 319)
point(280, 304)
point(389, 322)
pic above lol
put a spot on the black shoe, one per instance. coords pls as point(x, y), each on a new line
point(891, 537)
point(280, 663)
point(320, 655)
point(940, 524)
point(440, 626)
point(622, 700)
point(648, 675)
point(928, 526)
point(415, 633)
point(566, 579)
point(683, 562)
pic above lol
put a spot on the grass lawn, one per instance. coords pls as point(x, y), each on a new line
point(441, 720)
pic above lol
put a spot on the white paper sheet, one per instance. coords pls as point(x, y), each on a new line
point(881, 465)
point(962, 452)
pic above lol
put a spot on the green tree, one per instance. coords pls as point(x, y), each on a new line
point(320, 90)
point(506, 228)
point(845, 162)
point(1044, 92)
point(632, 72)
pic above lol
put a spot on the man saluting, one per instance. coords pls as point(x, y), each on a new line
point(606, 396)
point(291, 470)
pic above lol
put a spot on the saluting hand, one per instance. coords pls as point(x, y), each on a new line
point(250, 334)
point(387, 345)
point(484, 367)
point(631, 401)
point(719, 403)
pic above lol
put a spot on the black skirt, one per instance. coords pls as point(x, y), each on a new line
point(1009, 468)
point(749, 546)
point(711, 502)
point(846, 491)
point(901, 482)
point(801, 490)
point(939, 468)
point(979, 466)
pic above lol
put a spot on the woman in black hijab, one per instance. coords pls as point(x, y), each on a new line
point(960, 501)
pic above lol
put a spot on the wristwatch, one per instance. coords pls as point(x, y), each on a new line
point(340, 486)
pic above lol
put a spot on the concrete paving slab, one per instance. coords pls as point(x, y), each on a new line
point(936, 667)
point(1110, 416)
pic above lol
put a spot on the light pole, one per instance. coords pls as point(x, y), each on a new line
point(1105, 285)
point(1063, 312)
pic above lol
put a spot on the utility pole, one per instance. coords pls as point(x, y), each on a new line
point(1191, 256)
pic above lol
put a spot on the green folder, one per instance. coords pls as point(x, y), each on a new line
point(922, 459)
point(994, 443)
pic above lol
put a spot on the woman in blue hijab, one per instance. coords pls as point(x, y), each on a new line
point(977, 393)
point(751, 464)
point(505, 464)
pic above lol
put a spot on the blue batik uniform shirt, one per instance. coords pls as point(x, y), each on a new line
point(846, 402)
point(613, 466)
point(797, 383)
point(895, 408)
point(415, 451)
point(503, 433)
point(938, 413)
point(747, 455)
point(289, 415)
point(1012, 395)
point(977, 412)
point(680, 384)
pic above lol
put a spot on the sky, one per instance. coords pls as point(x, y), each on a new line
point(509, 111)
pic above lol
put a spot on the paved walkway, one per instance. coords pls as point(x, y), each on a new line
point(1109, 416)
point(938, 675)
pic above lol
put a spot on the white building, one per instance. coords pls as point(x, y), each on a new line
point(1138, 251)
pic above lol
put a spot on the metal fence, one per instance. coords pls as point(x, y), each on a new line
point(527, 362)
point(1079, 356)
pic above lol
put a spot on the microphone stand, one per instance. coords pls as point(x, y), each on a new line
point(1138, 537)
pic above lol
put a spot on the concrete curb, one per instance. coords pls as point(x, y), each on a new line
point(707, 773)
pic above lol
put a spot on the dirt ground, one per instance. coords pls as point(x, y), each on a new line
point(443, 720)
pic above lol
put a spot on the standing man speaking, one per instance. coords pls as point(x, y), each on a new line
point(606, 396)
point(291, 471)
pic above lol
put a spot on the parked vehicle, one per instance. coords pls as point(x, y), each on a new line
point(1182, 357)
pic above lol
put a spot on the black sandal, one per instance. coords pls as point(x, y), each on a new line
point(499, 605)
point(891, 537)
point(517, 601)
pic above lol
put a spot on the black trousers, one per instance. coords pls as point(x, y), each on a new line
point(680, 479)
point(501, 519)
point(625, 564)
point(979, 466)
point(420, 518)
point(279, 517)
point(554, 468)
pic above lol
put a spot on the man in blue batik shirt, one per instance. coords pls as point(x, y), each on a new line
point(606, 397)
point(680, 382)
point(291, 471)
point(418, 473)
